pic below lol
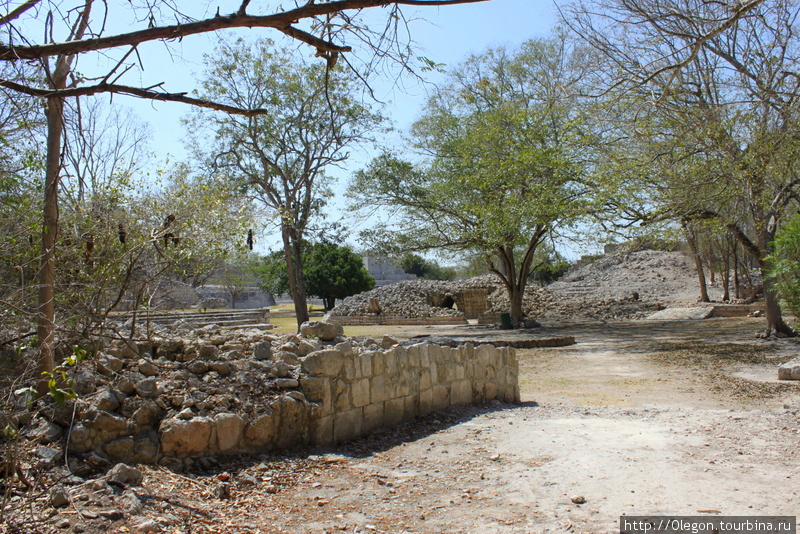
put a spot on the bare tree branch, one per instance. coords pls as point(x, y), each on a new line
point(279, 21)
point(17, 11)
point(132, 91)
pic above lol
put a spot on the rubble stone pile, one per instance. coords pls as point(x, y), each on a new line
point(412, 298)
point(617, 286)
point(188, 394)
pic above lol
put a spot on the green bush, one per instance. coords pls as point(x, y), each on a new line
point(786, 265)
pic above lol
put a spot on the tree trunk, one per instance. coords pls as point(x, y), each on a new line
point(515, 294)
point(698, 263)
point(330, 303)
point(726, 277)
point(47, 272)
point(297, 285)
point(772, 309)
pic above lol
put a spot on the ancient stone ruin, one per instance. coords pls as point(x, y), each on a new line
point(213, 391)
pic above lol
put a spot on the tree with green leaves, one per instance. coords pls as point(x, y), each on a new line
point(335, 272)
point(712, 92)
point(427, 269)
point(786, 264)
point(505, 140)
point(280, 159)
point(332, 272)
point(57, 34)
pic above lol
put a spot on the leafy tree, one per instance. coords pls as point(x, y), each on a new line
point(335, 272)
point(786, 264)
point(716, 95)
point(429, 270)
point(550, 266)
point(332, 272)
point(280, 158)
point(504, 140)
point(57, 33)
point(274, 274)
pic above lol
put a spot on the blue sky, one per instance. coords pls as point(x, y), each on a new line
point(446, 35)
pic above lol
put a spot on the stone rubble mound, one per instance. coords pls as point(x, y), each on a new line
point(412, 298)
point(180, 373)
point(620, 286)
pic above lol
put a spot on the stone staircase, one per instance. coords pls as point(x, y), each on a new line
point(247, 318)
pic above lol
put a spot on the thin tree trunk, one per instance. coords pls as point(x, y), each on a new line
point(47, 271)
point(726, 277)
point(698, 263)
point(297, 285)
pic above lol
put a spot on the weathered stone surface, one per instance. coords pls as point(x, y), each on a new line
point(286, 383)
point(321, 330)
point(148, 368)
point(262, 350)
point(182, 438)
point(262, 430)
point(229, 428)
point(85, 382)
point(789, 370)
point(388, 342)
point(138, 450)
point(305, 348)
point(198, 367)
point(125, 474)
point(147, 388)
point(148, 413)
point(207, 352)
point(59, 497)
point(43, 431)
point(314, 394)
point(289, 358)
point(108, 365)
point(145, 525)
point(80, 439)
point(323, 362)
point(222, 368)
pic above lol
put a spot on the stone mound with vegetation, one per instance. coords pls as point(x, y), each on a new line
point(615, 286)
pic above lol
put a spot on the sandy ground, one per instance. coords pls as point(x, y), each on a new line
point(635, 418)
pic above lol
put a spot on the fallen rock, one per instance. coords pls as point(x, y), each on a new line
point(321, 330)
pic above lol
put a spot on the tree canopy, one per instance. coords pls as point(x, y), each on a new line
point(713, 135)
point(332, 272)
point(56, 34)
point(280, 158)
point(503, 165)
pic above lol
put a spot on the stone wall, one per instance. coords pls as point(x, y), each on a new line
point(330, 395)
point(373, 319)
point(356, 394)
point(472, 302)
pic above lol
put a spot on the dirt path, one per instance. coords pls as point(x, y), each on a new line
point(604, 419)
point(635, 418)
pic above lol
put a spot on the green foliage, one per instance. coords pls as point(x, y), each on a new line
point(332, 272)
point(550, 272)
point(281, 157)
point(786, 265)
point(274, 275)
point(59, 385)
point(429, 270)
point(506, 141)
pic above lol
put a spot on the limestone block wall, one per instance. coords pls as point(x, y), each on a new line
point(358, 393)
point(329, 396)
point(372, 319)
point(473, 302)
